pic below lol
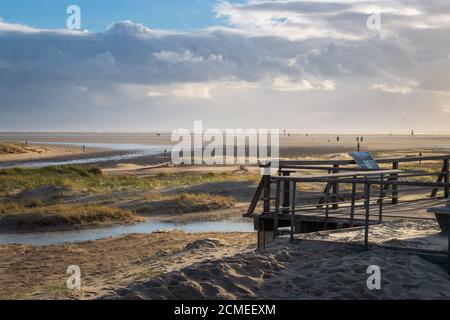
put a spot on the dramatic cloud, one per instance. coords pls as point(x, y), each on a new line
point(317, 61)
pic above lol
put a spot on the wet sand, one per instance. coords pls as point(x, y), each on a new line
point(291, 145)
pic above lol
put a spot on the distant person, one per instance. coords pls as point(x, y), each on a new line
point(357, 139)
point(165, 153)
point(361, 139)
point(412, 132)
point(420, 155)
point(84, 148)
point(337, 139)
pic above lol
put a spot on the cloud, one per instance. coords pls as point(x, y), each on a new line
point(405, 88)
point(185, 90)
point(199, 90)
point(303, 56)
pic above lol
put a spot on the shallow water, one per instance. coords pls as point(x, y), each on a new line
point(132, 151)
point(56, 237)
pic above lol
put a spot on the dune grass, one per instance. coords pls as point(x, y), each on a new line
point(17, 148)
point(15, 215)
point(91, 180)
point(185, 202)
point(194, 202)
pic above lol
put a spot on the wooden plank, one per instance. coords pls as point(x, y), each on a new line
point(352, 206)
point(256, 198)
point(395, 166)
point(335, 187)
point(340, 175)
point(266, 194)
point(367, 217)
point(446, 180)
point(277, 209)
point(439, 179)
point(286, 193)
point(293, 163)
point(293, 192)
point(380, 202)
point(327, 209)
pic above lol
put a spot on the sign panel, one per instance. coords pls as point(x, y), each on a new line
point(364, 160)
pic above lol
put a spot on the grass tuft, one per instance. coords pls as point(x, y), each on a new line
point(14, 215)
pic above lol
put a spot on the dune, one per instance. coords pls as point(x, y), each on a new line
point(305, 270)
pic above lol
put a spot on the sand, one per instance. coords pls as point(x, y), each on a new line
point(294, 145)
point(39, 272)
point(47, 152)
point(176, 265)
point(305, 270)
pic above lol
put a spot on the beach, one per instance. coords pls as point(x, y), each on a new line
point(178, 231)
point(308, 269)
point(223, 266)
point(292, 145)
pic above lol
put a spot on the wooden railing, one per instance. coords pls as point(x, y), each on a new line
point(334, 167)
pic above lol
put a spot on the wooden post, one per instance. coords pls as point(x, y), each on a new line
point(441, 178)
point(294, 186)
point(286, 193)
point(277, 209)
point(266, 194)
point(394, 186)
point(256, 198)
point(327, 207)
point(446, 177)
point(263, 236)
point(367, 206)
point(352, 207)
point(448, 247)
point(380, 202)
point(336, 188)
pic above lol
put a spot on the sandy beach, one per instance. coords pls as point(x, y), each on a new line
point(45, 151)
point(39, 272)
point(305, 270)
point(292, 146)
point(175, 265)
point(172, 264)
point(258, 150)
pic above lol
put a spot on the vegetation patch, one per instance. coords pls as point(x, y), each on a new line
point(194, 202)
point(18, 148)
point(92, 180)
point(150, 273)
point(16, 216)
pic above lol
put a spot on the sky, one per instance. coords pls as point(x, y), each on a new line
point(144, 65)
